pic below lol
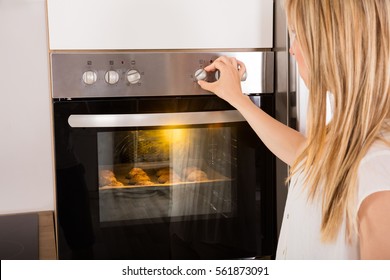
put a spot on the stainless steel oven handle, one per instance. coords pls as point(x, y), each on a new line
point(155, 119)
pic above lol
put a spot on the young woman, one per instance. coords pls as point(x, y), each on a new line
point(338, 206)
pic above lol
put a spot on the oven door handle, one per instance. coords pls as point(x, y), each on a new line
point(154, 119)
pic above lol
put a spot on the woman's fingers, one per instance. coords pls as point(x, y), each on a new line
point(231, 71)
point(205, 85)
point(221, 62)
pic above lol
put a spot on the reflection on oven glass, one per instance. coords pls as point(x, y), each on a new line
point(180, 174)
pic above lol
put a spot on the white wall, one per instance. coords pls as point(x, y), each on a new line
point(303, 102)
point(26, 174)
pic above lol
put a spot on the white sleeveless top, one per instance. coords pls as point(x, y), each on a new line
point(300, 236)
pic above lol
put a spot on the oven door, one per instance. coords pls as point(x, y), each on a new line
point(161, 178)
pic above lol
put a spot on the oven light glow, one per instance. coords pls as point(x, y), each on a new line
point(178, 135)
point(174, 135)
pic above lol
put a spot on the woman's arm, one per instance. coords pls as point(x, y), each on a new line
point(282, 140)
point(374, 226)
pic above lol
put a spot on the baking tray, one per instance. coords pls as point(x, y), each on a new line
point(121, 170)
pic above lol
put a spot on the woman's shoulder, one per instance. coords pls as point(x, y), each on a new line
point(378, 150)
point(374, 170)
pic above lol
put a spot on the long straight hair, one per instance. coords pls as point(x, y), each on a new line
point(345, 45)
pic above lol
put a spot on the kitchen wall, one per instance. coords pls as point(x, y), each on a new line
point(303, 102)
point(26, 162)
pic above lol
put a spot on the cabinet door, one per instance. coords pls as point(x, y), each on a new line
point(160, 24)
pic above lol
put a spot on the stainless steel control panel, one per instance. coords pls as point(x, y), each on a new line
point(126, 74)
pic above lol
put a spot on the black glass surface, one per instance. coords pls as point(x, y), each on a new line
point(19, 237)
point(245, 229)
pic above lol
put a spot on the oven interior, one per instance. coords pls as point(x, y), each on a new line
point(146, 174)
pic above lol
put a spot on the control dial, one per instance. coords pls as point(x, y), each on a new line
point(111, 77)
point(200, 74)
point(243, 77)
point(217, 74)
point(89, 77)
point(133, 76)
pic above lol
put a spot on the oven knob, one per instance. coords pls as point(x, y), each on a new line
point(111, 77)
point(133, 76)
point(243, 78)
point(90, 77)
point(216, 75)
point(200, 74)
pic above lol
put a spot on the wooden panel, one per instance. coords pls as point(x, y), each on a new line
point(47, 244)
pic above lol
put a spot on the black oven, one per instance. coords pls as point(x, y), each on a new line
point(162, 170)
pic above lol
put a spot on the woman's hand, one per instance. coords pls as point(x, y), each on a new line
point(228, 86)
point(282, 140)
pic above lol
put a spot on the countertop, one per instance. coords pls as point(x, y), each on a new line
point(27, 236)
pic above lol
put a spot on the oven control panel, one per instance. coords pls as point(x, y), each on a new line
point(127, 74)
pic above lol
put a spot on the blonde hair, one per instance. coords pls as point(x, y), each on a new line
point(345, 45)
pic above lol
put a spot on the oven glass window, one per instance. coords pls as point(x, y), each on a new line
point(175, 173)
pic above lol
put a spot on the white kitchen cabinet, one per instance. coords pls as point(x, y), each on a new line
point(26, 164)
point(160, 24)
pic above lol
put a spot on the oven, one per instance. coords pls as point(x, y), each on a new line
point(150, 166)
